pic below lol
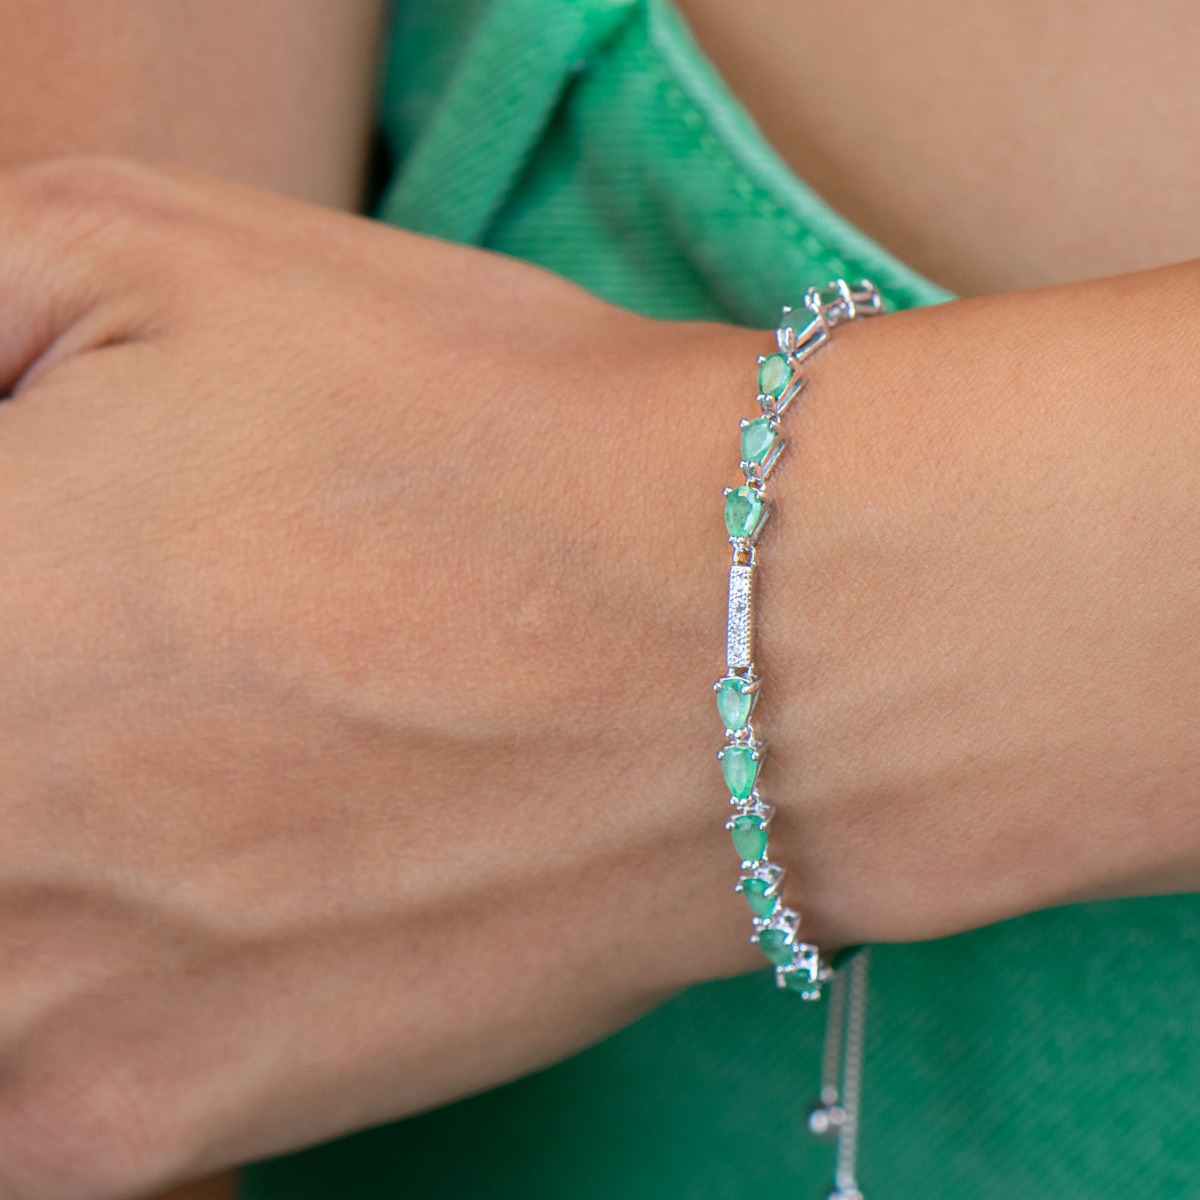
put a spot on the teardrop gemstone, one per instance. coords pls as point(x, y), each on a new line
point(774, 944)
point(803, 982)
point(761, 903)
point(773, 375)
point(744, 511)
point(749, 837)
point(734, 703)
point(758, 437)
point(740, 768)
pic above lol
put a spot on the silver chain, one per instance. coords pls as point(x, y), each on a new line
point(852, 1063)
point(837, 1110)
point(831, 1060)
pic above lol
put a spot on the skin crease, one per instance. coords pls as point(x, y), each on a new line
point(1065, 779)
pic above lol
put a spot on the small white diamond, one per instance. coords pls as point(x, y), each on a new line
point(739, 636)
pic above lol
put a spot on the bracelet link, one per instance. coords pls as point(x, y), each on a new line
point(739, 630)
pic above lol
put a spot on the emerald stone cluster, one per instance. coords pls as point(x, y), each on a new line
point(799, 966)
point(775, 927)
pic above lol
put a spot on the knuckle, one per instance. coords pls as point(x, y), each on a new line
point(81, 201)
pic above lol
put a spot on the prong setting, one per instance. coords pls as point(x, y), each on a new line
point(799, 965)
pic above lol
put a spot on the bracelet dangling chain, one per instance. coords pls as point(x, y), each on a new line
point(799, 965)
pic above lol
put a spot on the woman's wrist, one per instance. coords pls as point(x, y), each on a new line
point(975, 610)
point(979, 605)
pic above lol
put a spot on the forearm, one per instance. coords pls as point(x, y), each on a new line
point(275, 93)
point(979, 610)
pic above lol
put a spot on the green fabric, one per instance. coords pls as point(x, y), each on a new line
point(1054, 1055)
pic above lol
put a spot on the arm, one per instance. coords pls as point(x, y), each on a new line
point(987, 604)
point(270, 92)
point(356, 725)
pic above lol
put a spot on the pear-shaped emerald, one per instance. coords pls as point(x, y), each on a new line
point(773, 375)
point(775, 945)
point(795, 319)
point(749, 837)
point(744, 511)
point(761, 903)
point(740, 768)
point(734, 702)
point(802, 981)
point(758, 436)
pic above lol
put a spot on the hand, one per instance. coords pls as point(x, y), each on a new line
point(359, 601)
point(350, 760)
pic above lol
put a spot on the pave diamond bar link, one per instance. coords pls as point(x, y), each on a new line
point(739, 634)
point(799, 965)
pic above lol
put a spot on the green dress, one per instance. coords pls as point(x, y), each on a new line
point(1050, 1056)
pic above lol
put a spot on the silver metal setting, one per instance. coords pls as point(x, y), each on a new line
point(784, 920)
point(751, 807)
point(756, 473)
point(807, 970)
point(801, 333)
point(739, 627)
point(772, 874)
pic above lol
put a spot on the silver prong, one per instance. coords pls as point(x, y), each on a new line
point(767, 403)
point(785, 334)
point(771, 457)
point(790, 393)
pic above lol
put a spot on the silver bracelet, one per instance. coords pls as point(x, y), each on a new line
point(799, 965)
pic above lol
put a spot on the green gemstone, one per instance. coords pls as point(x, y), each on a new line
point(795, 318)
point(744, 511)
point(755, 892)
point(773, 375)
point(800, 981)
point(734, 702)
point(757, 439)
point(740, 768)
point(749, 837)
point(774, 944)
